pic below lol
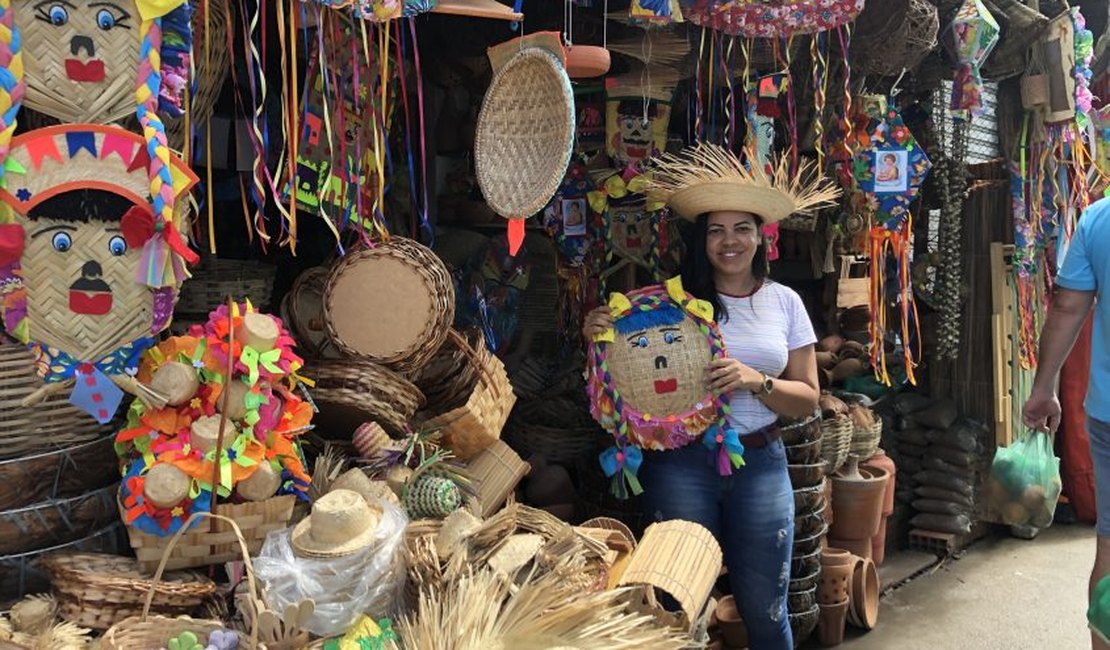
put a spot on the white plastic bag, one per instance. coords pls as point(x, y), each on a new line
point(370, 581)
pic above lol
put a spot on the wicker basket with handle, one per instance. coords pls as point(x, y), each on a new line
point(155, 631)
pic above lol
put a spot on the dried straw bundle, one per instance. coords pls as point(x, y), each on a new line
point(707, 178)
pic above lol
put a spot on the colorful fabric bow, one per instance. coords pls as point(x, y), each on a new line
point(731, 453)
point(616, 187)
point(622, 465)
point(699, 308)
point(252, 358)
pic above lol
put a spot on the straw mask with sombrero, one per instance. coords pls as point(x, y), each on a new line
point(341, 523)
point(708, 178)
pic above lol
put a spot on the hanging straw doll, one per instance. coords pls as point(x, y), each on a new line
point(646, 382)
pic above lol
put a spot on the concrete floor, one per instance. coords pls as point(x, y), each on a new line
point(1003, 593)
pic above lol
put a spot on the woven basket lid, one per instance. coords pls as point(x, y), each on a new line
point(525, 134)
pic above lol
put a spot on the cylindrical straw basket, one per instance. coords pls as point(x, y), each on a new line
point(215, 279)
point(350, 392)
point(496, 472)
point(97, 591)
point(476, 424)
point(204, 546)
point(52, 424)
point(391, 304)
point(147, 631)
point(836, 441)
point(893, 36)
point(56, 521)
point(65, 472)
point(681, 558)
point(865, 440)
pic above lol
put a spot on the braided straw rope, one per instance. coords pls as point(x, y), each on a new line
point(49, 88)
point(525, 134)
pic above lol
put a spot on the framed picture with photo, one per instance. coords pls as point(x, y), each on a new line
point(574, 216)
point(891, 171)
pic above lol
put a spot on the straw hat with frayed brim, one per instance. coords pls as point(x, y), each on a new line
point(341, 523)
point(708, 178)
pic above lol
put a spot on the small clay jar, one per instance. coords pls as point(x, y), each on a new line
point(883, 462)
point(833, 556)
point(834, 584)
point(732, 625)
point(830, 624)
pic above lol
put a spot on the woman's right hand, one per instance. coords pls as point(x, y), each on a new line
point(599, 320)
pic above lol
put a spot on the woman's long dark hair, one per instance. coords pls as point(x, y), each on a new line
point(697, 272)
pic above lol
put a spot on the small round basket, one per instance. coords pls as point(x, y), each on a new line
point(96, 590)
point(302, 310)
point(392, 304)
point(836, 441)
point(525, 134)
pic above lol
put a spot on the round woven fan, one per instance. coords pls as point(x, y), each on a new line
point(525, 134)
point(391, 304)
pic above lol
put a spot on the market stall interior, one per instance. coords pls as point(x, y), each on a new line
point(293, 297)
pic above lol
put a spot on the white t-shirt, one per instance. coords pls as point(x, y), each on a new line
point(760, 331)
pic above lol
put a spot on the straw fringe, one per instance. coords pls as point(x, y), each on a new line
point(704, 163)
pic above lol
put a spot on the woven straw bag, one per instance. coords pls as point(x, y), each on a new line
point(96, 590)
point(391, 304)
point(477, 423)
point(240, 523)
point(525, 133)
point(836, 441)
point(351, 392)
point(147, 631)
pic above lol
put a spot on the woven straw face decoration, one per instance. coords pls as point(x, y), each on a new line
point(635, 130)
point(79, 194)
point(631, 230)
point(81, 57)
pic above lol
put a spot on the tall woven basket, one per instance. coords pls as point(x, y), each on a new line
point(681, 558)
point(496, 471)
point(239, 523)
point(96, 590)
point(155, 631)
point(836, 441)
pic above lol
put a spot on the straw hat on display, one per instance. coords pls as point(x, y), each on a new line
point(341, 523)
point(708, 178)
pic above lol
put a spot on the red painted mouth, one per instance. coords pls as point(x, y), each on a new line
point(664, 386)
point(90, 303)
point(638, 153)
point(632, 242)
point(91, 71)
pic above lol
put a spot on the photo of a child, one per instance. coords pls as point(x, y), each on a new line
point(574, 217)
point(891, 171)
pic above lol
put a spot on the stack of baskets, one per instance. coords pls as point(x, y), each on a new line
point(58, 469)
point(804, 440)
point(350, 392)
point(215, 279)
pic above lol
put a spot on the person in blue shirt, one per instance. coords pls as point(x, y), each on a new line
point(1081, 286)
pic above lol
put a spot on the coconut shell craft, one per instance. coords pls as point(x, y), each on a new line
point(646, 381)
point(172, 455)
point(78, 256)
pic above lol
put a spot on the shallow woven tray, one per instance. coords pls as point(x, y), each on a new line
point(525, 134)
point(203, 547)
point(350, 392)
point(57, 474)
point(52, 424)
point(96, 591)
point(215, 279)
point(56, 521)
point(391, 304)
point(20, 574)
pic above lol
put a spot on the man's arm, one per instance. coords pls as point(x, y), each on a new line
point(1066, 316)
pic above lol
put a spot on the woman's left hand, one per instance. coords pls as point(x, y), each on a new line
point(728, 375)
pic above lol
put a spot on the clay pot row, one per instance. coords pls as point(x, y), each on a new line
point(848, 592)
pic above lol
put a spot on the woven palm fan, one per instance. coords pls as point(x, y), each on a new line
point(391, 304)
point(525, 136)
point(659, 46)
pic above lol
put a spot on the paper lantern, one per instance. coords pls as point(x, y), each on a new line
point(970, 38)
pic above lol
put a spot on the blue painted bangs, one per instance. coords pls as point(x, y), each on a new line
point(638, 321)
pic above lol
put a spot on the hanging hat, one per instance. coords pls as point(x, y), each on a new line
point(341, 523)
point(708, 178)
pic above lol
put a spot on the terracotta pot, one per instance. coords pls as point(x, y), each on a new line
point(835, 557)
point(587, 61)
point(858, 501)
point(864, 610)
point(878, 543)
point(732, 626)
point(830, 624)
point(881, 461)
point(860, 547)
point(834, 585)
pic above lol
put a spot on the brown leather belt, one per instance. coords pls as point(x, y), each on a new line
point(761, 438)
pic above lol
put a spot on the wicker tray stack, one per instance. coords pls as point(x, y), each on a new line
point(350, 392)
point(213, 281)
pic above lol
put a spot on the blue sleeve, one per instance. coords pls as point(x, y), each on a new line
point(1077, 273)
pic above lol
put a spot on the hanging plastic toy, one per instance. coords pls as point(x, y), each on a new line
point(970, 38)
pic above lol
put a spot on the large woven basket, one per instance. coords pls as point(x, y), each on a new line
point(679, 557)
point(302, 310)
point(20, 574)
point(836, 441)
point(350, 392)
point(53, 424)
point(204, 546)
point(525, 133)
point(496, 473)
point(56, 521)
point(865, 440)
point(211, 59)
point(893, 36)
point(147, 631)
point(215, 279)
point(61, 473)
point(96, 590)
point(476, 424)
point(391, 304)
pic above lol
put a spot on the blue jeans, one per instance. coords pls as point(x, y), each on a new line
point(751, 513)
